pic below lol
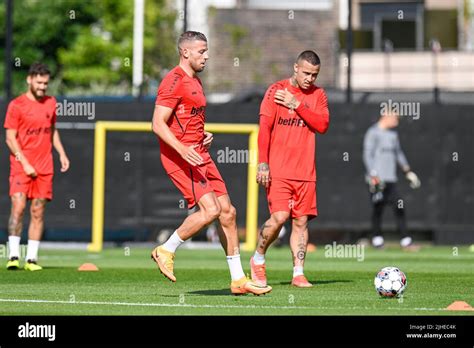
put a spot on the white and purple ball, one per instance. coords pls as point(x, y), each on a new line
point(390, 282)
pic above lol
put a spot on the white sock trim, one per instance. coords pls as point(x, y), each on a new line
point(235, 267)
point(258, 259)
point(32, 252)
point(14, 246)
point(297, 270)
point(173, 242)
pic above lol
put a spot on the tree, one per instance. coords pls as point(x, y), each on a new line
point(102, 55)
point(88, 43)
point(39, 29)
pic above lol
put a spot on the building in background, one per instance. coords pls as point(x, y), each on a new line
point(407, 24)
point(409, 45)
point(255, 42)
point(398, 45)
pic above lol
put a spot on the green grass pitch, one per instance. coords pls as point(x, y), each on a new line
point(129, 283)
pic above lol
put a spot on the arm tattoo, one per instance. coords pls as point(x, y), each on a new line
point(292, 103)
point(263, 167)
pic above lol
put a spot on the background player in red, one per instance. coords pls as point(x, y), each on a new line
point(30, 136)
point(292, 111)
point(178, 120)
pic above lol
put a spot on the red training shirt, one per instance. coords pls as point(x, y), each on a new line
point(286, 138)
point(183, 94)
point(33, 121)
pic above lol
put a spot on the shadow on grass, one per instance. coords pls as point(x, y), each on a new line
point(221, 292)
point(321, 282)
point(226, 292)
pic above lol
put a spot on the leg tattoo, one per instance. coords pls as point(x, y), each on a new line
point(14, 226)
point(263, 236)
point(301, 249)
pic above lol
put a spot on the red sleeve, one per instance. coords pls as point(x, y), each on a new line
point(318, 119)
point(168, 93)
point(12, 119)
point(267, 116)
point(264, 133)
point(268, 105)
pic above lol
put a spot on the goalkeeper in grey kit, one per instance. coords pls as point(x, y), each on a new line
point(382, 153)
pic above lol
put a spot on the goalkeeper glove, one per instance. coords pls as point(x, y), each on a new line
point(413, 179)
point(376, 187)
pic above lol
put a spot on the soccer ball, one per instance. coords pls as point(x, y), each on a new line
point(390, 282)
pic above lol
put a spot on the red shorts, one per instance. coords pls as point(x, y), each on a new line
point(296, 197)
point(195, 182)
point(38, 187)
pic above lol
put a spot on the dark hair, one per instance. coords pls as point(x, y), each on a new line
point(38, 69)
point(191, 36)
point(310, 56)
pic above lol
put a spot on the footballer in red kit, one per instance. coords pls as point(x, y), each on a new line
point(30, 136)
point(185, 96)
point(178, 122)
point(291, 113)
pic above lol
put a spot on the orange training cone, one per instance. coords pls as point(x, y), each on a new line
point(87, 267)
point(459, 306)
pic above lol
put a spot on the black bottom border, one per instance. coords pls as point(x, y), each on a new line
point(138, 331)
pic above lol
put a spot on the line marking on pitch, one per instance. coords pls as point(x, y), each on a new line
point(187, 305)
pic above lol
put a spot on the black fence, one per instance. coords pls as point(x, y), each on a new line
point(140, 200)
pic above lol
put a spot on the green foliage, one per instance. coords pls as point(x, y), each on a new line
point(88, 44)
point(160, 51)
point(211, 11)
point(40, 28)
point(245, 49)
point(237, 33)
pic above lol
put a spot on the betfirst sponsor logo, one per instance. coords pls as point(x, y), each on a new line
point(291, 121)
point(198, 111)
point(38, 131)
